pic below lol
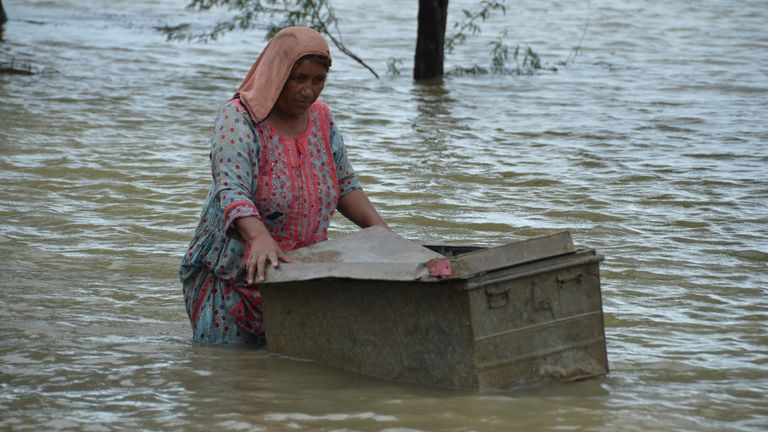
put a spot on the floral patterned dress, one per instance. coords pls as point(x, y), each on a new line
point(292, 184)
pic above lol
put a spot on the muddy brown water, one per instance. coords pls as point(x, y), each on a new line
point(650, 147)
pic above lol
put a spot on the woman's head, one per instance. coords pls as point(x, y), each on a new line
point(303, 86)
point(291, 49)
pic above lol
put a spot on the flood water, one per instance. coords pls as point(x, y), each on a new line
point(651, 146)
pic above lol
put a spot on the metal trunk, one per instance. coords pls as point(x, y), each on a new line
point(459, 317)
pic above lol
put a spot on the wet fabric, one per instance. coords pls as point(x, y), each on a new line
point(292, 184)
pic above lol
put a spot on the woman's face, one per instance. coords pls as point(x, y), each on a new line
point(302, 88)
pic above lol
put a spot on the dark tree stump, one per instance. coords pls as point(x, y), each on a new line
point(430, 39)
point(3, 16)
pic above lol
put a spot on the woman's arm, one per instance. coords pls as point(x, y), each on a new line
point(353, 203)
point(234, 152)
point(356, 207)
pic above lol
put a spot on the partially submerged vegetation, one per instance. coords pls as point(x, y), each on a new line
point(320, 15)
point(9, 65)
point(526, 62)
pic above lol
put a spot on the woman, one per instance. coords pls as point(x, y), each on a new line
point(279, 171)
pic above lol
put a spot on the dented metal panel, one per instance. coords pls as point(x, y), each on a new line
point(545, 319)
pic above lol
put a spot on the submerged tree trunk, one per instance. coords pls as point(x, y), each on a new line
point(3, 17)
point(430, 39)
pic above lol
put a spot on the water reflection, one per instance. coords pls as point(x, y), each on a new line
point(433, 120)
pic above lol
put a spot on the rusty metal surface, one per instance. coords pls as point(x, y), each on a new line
point(408, 332)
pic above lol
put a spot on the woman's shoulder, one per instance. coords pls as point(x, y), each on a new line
point(233, 110)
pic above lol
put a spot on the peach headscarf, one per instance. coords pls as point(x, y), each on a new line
point(262, 86)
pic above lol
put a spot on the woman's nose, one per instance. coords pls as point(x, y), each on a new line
point(305, 90)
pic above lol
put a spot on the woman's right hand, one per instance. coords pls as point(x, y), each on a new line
point(263, 249)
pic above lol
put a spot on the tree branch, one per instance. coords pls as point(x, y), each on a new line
point(339, 44)
point(296, 12)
